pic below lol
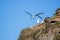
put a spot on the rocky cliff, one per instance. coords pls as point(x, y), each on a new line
point(48, 30)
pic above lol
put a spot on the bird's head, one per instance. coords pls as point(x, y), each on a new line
point(32, 17)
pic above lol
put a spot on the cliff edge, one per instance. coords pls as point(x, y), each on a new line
point(48, 30)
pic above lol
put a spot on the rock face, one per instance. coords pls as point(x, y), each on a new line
point(48, 30)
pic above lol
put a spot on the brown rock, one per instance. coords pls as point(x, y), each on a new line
point(49, 30)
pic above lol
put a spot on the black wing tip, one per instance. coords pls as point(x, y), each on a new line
point(41, 13)
point(26, 11)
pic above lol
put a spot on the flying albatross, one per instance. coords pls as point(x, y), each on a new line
point(37, 15)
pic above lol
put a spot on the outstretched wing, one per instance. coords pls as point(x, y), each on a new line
point(28, 13)
point(40, 17)
point(38, 14)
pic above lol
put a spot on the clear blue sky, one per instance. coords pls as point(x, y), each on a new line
point(13, 17)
